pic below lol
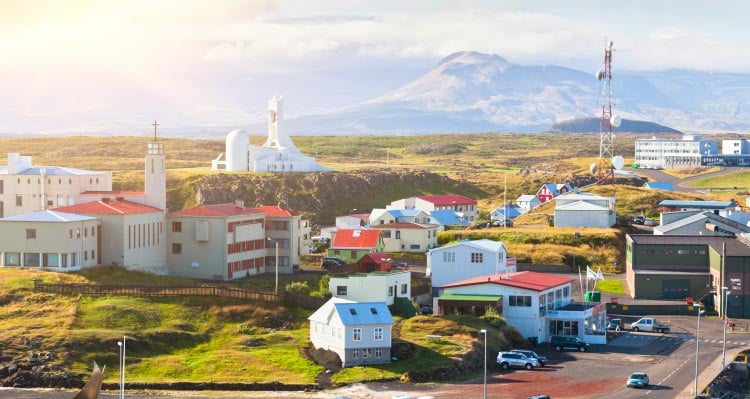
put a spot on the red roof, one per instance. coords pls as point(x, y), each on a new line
point(276, 211)
point(527, 280)
point(376, 257)
point(220, 210)
point(448, 199)
point(353, 239)
point(404, 225)
point(115, 206)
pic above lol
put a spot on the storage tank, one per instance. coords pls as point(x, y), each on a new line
point(236, 151)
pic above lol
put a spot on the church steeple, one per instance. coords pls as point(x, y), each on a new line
point(156, 174)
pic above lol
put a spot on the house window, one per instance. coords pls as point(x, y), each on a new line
point(31, 259)
point(176, 227)
point(367, 352)
point(357, 334)
point(353, 255)
point(12, 259)
point(355, 354)
point(176, 248)
point(414, 246)
point(398, 234)
point(385, 233)
point(390, 291)
point(378, 333)
point(19, 200)
point(31, 234)
point(449, 257)
point(477, 257)
point(341, 290)
point(1, 186)
point(519, 300)
point(78, 233)
point(378, 352)
point(403, 289)
point(648, 251)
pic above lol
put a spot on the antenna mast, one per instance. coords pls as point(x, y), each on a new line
point(605, 170)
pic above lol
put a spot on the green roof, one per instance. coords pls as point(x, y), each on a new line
point(460, 297)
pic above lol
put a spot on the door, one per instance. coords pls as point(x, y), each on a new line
point(675, 289)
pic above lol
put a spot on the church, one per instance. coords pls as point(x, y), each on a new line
point(277, 154)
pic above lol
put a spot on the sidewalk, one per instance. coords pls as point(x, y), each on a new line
point(704, 378)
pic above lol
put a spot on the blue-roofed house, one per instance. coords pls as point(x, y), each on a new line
point(508, 212)
point(659, 185)
point(721, 208)
point(448, 218)
point(50, 240)
point(359, 332)
point(380, 216)
point(528, 201)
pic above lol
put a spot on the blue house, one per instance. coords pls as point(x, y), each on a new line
point(659, 185)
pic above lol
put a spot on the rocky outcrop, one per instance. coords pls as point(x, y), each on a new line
point(32, 371)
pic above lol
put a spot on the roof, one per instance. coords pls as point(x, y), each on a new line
point(702, 217)
point(448, 199)
point(581, 196)
point(513, 211)
point(275, 211)
point(483, 244)
point(48, 216)
point(463, 297)
point(733, 246)
point(533, 281)
point(659, 185)
point(375, 257)
point(353, 313)
point(527, 198)
point(117, 206)
point(698, 204)
point(356, 239)
point(219, 210)
point(581, 206)
point(404, 225)
point(399, 213)
point(448, 217)
point(114, 193)
point(52, 171)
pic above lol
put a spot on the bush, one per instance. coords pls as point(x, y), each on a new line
point(298, 287)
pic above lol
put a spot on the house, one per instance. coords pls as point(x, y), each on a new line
point(548, 191)
point(679, 266)
point(698, 223)
point(464, 206)
point(448, 219)
point(25, 188)
point(538, 305)
point(372, 287)
point(359, 332)
point(721, 208)
point(220, 242)
point(351, 244)
point(133, 234)
point(408, 237)
point(291, 231)
point(528, 202)
point(352, 221)
point(584, 210)
point(374, 262)
point(464, 260)
point(507, 212)
point(51, 240)
point(385, 216)
point(659, 185)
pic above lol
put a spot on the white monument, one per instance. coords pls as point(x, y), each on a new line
point(277, 154)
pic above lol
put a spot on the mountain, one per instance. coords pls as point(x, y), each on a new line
point(474, 92)
point(589, 125)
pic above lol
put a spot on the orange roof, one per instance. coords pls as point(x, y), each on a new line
point(353, 239)
point(528, 280)
point(448, 199)
point(275, 211)
point(115, 206)
point(219, 210)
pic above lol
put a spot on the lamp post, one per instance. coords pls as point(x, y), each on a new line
point(697, 346)
point(121, 344)
point(484, 332)
point(276, 243)
point(724, 319)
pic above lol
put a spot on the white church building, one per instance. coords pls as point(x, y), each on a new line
point(277, 154)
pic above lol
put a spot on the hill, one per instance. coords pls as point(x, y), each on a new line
point(593, 125)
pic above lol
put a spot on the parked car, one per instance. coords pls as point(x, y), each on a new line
point(637, 380)
point(639, 220)
point(507, 360)
point(560, 342)
point(426, 310)
point(329, 262)
point(615, 324)
point(401, 266)
point(538, 397)
point(529, 353)
point(650, 222)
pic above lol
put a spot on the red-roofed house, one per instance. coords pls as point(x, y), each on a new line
point(132, 234)
point(536, 304)
point(351, 244)
point(465, 207)
point(218, 242)
point(291, 232)
point(408, 237)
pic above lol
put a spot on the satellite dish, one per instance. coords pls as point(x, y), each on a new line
point(618, 162)
point(599, 75)
point(195, 264)
point(592, 168)
point(615, 120)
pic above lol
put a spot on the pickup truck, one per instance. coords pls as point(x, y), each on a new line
point(649, 324)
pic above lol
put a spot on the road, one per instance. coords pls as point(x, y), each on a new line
point(680, 184)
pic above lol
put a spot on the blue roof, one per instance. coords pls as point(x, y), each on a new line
point(698, 204)
point(447, 217)
point(514, 211)
point(399, 213)
point(659, 185)
point(359, 313)
point(48, 216)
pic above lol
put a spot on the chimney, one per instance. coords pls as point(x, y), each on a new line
point(239, 203)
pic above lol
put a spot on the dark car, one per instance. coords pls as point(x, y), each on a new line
point(426, 310)
point(529, 353)
point(639, 220)
point(560, 342)
point(329, 262)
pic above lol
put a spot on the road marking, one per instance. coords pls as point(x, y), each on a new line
point(677, 369)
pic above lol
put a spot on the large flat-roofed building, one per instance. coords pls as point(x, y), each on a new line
point(673, 153)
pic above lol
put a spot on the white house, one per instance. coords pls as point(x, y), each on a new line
point(384, 216)
point(408, 237)
point(528, 201)
point(704, 223)
point(464, 206)
point(584, 210)
point(536, 304)
point(372, 287)
point(359, 332)
point(466, 259)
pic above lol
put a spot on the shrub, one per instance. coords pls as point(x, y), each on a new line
point(298, 287)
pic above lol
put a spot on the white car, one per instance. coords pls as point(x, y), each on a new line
point(507, 360)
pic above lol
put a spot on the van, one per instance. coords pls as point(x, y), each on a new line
point(560, 342)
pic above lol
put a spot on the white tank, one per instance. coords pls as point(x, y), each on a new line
point(236, 151)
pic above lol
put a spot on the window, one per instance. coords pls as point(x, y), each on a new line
point(1, 186)
point(477, 257)
point(403, 288)
point(355, 354)
point(12, 259)
point(390, 291)
point(31, 234)
point(31, 259)
point(19, 200)
point(357, 334)
point(398, 234)
point(449, 257)
point(340, 290)
point(176, 227)
point(519, 300)
point(414, 246)
point(378, 333)
point(353, 255)
point(367, 352)
point(385, 233)
point(176, 248)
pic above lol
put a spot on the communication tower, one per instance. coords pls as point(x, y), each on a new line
point(605, 169)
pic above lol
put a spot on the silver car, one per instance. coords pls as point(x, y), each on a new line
point(507, 360)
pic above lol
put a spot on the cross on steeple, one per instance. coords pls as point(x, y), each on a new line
point(155, 124)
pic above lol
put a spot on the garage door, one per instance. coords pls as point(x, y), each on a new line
point(675, 289)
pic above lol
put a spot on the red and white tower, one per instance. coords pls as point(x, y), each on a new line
point(605, 169)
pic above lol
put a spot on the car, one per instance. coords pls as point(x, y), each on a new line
point(615, 324)
point(637, 380)
point(538, 397)
point(329, 262)
point(507, 360)
point(639, 220)
point(650, 222)
point(401, 266)
point(529, 353)
point(426, 310)
point(560, 342)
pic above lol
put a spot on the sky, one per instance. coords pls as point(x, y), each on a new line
point(113, 67)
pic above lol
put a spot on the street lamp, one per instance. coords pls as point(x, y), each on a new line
point(276, 243)
point(121, 344)
point(697, 343)
point(484, 332)
point(724, 311)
